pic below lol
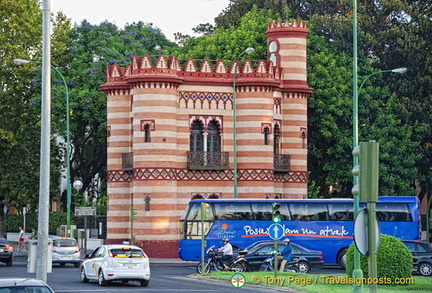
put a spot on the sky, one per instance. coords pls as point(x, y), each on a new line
point(170, 16)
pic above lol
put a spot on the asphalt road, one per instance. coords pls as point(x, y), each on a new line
point(166, 277)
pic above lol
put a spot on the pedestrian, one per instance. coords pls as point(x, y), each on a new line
point(33, 234)
point(287, 254)
point(227, 253)
point(21, 239)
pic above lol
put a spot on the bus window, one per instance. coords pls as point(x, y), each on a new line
point(229, 211)
point(263, 211)
point(341, 211)
point(393, 212)
point(308, 212)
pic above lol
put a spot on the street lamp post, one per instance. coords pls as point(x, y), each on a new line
point(248, 50)
point(77, 184)
point(357, 273)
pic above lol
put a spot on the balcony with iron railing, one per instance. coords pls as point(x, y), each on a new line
point(282, 163)
point(127, 161)
point(200, 160)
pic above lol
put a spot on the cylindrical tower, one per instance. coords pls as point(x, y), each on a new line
point(154, 107)
point(255, 88)
point(119, 146)
point(287, 50)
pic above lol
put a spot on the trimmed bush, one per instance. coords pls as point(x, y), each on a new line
point(393, 258)
point(55, 220)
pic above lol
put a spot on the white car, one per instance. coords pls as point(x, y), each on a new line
point(65, 250)
point(24, 285)
point(116, 263)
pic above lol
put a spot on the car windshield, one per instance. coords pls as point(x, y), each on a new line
point(64, 242)
point(126, 253)
point(3, 241)
point(24, 289)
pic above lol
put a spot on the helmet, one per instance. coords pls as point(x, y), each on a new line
point(286, 240)
point(226, 240)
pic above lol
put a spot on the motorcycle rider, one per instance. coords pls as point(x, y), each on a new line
point(227, 251)
point(287, 253)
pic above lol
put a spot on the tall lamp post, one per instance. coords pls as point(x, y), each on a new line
point(249, 50)
point(78, 183)
point(357, 273)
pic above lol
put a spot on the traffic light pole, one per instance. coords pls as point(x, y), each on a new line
point(276, 258)
point(203, 217)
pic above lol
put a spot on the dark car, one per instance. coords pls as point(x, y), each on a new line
point(259, 251)
point(422, 256)
point(6, 252)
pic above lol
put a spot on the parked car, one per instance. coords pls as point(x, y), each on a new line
point(66, 250)
point(6, 252)
point(24, 285)
point(422, 256)
point(116, 263)
point(259, 251)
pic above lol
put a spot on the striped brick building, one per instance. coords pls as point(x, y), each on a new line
point(170, 135)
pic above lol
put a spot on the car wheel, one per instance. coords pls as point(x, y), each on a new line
point(303, 267)
point(341, 259)
point(293, 269)
point(425, 268)
point(9, 263)
point(101, 279)
point(83, 276)
point(144, 283)
point(239, 267)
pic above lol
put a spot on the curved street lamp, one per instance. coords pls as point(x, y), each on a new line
point(357, 270)
point(249, 50)
point(78, 183)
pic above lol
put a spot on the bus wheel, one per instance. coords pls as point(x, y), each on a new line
point(341, 259)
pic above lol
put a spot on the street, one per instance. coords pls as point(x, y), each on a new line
point(166, 277)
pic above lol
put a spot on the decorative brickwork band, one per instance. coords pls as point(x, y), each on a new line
point(223, 175)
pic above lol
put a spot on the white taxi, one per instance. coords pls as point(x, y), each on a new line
point(116, 263)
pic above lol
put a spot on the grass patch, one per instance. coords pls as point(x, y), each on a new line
point(317, 283)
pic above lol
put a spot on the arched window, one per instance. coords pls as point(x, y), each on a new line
point(277, 140)
point(147, 130)
point(213, 140)
point(272, 49)
point(196, 137)
point(266, 135)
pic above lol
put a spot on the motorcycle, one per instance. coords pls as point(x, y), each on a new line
point(236, 264)
point(291, 266)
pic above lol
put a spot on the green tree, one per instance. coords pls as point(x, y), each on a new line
point(21, 37)
point(228, 43)
point(391, 34)
point(90, 49)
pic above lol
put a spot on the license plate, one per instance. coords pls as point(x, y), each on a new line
point(129, 265)
point(1, 250)
point(65, 257)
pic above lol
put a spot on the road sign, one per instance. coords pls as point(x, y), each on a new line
point(276, 231)
point(85, 211)
point(361, 232)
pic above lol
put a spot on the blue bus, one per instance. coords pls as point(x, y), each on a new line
point(318, 224)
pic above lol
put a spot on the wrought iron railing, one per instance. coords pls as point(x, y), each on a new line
point(127, 161)
point(199, 160)
point(282, 163)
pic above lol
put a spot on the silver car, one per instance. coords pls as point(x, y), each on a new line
point(24, 285)
point(66, 250)
point(116, 263)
